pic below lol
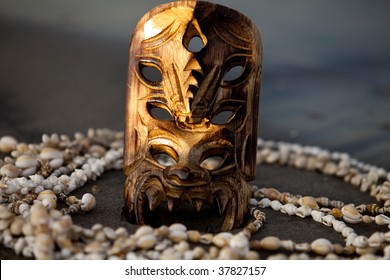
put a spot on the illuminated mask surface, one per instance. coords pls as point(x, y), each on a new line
point(192, 111)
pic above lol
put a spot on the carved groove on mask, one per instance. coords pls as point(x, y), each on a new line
point(160, 133)
point(223, 33)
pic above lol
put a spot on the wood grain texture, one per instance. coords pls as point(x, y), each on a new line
point(192, 111)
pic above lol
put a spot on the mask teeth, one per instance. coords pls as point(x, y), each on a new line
point(222, 199)
point(230, 216)
point(197, 204)
point(155, 195)
point(170, 203)
point(139, 209)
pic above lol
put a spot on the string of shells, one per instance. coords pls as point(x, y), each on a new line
point(34, 177)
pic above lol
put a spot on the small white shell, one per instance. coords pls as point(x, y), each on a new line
point(300, 161)
point(51, 153)
point(338, 225)
point(253, 202)
point(360, 242)
point(146, 241)
point(39, 215)
point(317, 215)
point(193, 236)
point(29, 171)
point(94, 247)
point(27, 229)
point(356, 180)
point(387, 236)
point(272, 157)
point(177, 235)
point(26, 162)
point(330, 168)
point(321, 246)
point(264, 203)
point(56, 163)
point(12, 187)
point(288, 244)
point(4, 224)
point(143, 230)
point(386, 252)
point(7, 144)
point(88, 202)
point(302, 247)
point(198, 252)
point(222, 239)
point(19, 245)
point(46, 194)
point(327, 220)
point(44, 246)
point(289, 209)
point(228, 254)
point(376, 239)
point(275, 205)
point(365, 185)
point(271, 193)
point(270, 243)
point(170, 254)
point(183, 246)
point(367, 250)
point(351, 214)
point(303, 211)
point(206, 238)
point(97, 227)
point(382, 219)
point(278, 256)
point(347, 231)
point(308, 201)
point(23, 207)
point(177, 227)
point(10, 171)
point(239, 244)
point(49, 203)
point(109, 233)
point(350, 238)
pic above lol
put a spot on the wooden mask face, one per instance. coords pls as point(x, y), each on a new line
point(192, 111)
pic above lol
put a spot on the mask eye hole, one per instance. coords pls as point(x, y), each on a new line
point(164, 155)
point(158, 112)
point(164, 159)
point(233, 73)
point(212, 163)
point(222, 117)
point(151, 73)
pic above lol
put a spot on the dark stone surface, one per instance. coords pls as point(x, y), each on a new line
point(325, 83)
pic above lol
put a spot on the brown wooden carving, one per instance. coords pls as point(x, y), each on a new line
point(192, 111)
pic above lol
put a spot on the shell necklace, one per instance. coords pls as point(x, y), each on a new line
point(33, 177)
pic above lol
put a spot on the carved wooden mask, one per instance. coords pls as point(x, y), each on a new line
point(192, 111)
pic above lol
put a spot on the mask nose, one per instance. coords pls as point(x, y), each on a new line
point(182, 174)
point(186, 175)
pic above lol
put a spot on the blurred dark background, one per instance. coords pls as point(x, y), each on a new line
point(326, 69)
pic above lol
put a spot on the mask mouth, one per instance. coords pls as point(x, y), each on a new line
point(209, 208)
